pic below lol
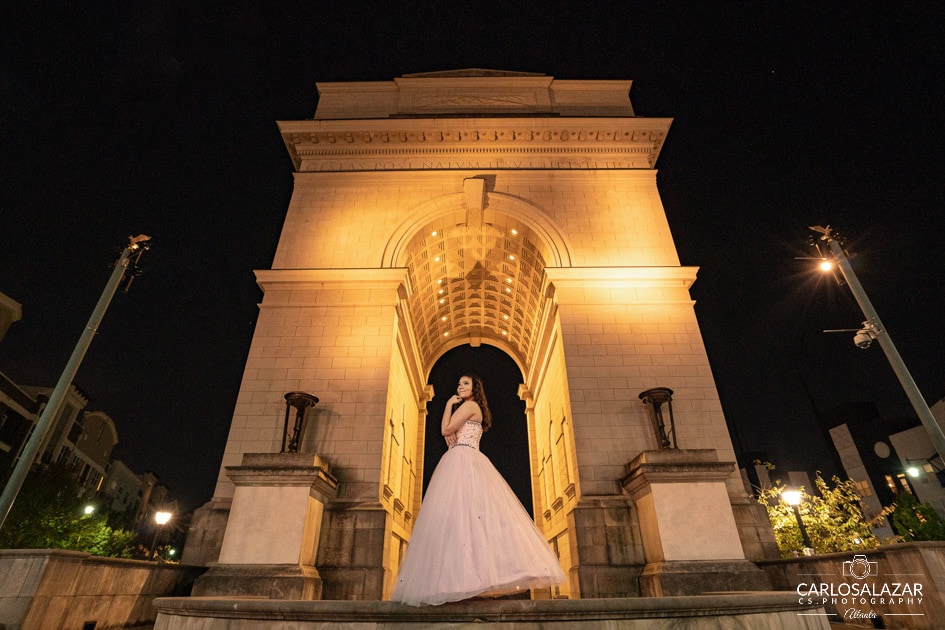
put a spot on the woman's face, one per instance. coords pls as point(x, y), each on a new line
point(464, 389)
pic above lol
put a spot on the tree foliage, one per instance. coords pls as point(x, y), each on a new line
point(916, 521)
point(48, 514)
point(833, 518)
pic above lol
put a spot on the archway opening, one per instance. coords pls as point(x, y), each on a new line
point(506, 443)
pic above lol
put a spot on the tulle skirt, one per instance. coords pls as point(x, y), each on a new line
point(472, 537)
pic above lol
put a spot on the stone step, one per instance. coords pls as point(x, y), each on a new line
point(720, 610)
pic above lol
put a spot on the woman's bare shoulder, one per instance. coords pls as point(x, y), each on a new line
point(473, 407)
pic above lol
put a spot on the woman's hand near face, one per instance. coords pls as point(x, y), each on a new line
point(469, 410)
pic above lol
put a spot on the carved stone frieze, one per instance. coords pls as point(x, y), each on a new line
point(614, 143)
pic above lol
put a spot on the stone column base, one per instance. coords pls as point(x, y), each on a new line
point(606, 551)
point(698, 577)
point(351, 551)
point(269, 581)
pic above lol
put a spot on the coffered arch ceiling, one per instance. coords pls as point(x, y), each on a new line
point(474, 284)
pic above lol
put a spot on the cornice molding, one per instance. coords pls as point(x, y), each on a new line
point(355, 279)
point(464, 143)
point(622, 277)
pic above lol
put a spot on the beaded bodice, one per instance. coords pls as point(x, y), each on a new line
point(469, 434)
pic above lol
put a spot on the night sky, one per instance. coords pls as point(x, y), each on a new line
point(159, 118)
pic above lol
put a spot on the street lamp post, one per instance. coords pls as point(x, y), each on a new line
point(125, 263)
point(160, 519)
point(873, 329)
point(793, 498)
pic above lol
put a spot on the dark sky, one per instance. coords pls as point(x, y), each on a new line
point(159, 118)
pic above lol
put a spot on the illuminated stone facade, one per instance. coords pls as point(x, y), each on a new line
point(476, 207)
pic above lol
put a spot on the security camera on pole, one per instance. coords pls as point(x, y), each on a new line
point(873, 329)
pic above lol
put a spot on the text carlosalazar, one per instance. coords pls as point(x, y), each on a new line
point(886, 592)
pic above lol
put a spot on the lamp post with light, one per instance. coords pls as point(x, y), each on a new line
point(160, 519)
point(793, 498)
point(124, 271)
point(873, 329)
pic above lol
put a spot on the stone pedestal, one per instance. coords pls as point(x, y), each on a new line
point(273, 530)
point(690, 538)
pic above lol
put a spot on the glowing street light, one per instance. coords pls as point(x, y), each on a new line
point(794, 498)
point(161, 519)
point(88, 510)
point(873, 329)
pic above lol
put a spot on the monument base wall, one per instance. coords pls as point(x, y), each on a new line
point(46, 588)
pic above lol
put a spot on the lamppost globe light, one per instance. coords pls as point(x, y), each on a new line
point(793, 498)
point(912, 471)
point(89, 509)
point(826, 265)
point(161, 518)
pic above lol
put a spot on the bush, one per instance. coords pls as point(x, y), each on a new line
point(833, 518)
point(48, 514)
point(916, 521)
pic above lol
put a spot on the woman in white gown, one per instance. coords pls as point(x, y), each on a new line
point(472, 536)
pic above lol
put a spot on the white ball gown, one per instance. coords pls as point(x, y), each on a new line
point(472, 536)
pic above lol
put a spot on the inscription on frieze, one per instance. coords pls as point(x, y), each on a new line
point(473, 99)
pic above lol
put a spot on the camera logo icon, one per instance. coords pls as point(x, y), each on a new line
point(859, 567)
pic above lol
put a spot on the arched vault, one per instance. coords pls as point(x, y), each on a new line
point(476, 271)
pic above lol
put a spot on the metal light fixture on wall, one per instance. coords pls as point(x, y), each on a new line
point(654, 399)
point(301, 401)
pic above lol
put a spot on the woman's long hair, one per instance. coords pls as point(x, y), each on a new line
point(479, 395)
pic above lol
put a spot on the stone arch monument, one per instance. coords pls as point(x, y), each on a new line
point(478, 207)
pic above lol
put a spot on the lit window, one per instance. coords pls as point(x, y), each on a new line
point(863, 489)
